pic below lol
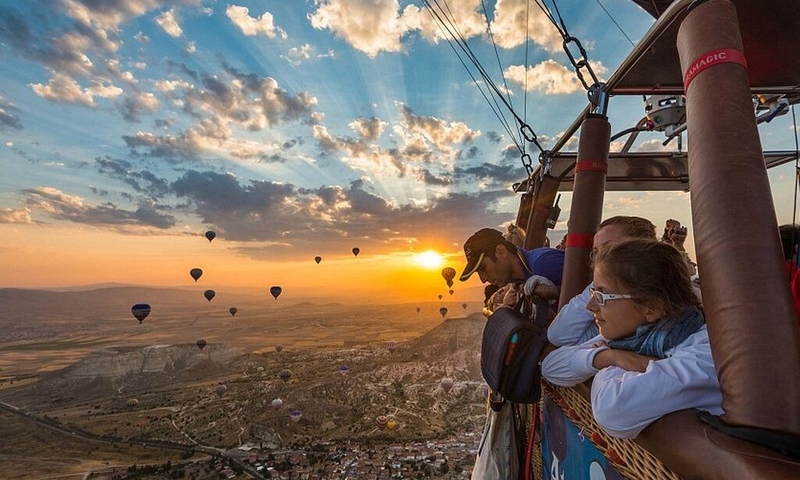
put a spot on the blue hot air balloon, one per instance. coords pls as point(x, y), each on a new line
point(140, 311)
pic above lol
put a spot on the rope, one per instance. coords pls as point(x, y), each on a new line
point(615, 23)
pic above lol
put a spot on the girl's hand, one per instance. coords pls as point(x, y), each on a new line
point(624, 359)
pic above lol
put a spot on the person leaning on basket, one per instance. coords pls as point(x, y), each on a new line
point(652, 356)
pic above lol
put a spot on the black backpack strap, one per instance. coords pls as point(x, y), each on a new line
point(785, 443)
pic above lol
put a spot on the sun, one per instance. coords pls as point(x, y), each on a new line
point(429, 260)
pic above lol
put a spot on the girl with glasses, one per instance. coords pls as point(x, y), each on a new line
point(652, 356)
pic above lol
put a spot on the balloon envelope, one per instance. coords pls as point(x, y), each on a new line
point(278, 348)
point(418, 309)
point(451, 292)
point(447, 384)
point(344, 369)
point(132, 402)
point(449, 283)
point(449, 273)
point(317, 259)
point(201, 344)
point(381, 421)
point(296, 415)
point(285, 375)
point(196, 273)
point(391, 346)
point(443, 311)
point(440, 297)
point(275, 291)
point(464, 306)
point(209, 294)
point(277, 403)
point(221, 389)
point(140, 311)
point(211, 235)
point(356, 251)
point(233, 311)
point(391, 424)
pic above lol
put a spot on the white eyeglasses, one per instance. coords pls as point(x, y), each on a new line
point(601, 298)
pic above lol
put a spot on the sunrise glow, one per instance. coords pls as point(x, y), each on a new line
point(429, 260)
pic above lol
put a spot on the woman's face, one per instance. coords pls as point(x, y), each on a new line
point(619, 317)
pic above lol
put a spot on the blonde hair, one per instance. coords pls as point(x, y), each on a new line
point(515, 235)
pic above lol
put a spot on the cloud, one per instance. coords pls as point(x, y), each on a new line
point(371, 26)
point(20, 216)
point(369, 129)
point(138, 103)
point(62, 88)
point(61, 206)
point(550, 77)
point(168, 21)
point(296, 55)
point(8, 115)
point(142, 181)
point(436, 132)
point(514, 20)
point(250, 26)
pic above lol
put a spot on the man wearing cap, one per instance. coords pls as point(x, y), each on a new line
point(499, 262)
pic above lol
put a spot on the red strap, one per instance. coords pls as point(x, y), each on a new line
point(714, 57)
point(528, 474)
point(589, 165)
point(585, 240)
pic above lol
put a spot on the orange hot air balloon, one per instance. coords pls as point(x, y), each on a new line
point(356, 251)
point(449, 273)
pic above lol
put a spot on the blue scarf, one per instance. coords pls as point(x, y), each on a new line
point(654, 339)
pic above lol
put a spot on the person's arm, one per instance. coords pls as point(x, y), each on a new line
point(574, 324)
point(571, 365)
point(625, 402)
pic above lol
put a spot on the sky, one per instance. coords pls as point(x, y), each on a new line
point(292, 129)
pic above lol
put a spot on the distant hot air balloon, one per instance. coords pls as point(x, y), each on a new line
point(277, 403)
point(464, 306)
point(211, 235)
point(391, 346)
point(443, 311)
point(278, 348)
point(381, 421)
point(449, 273)
point(233, 311)
point(296, 415)
point(221, 389)
point(451, 292)
point(391, 424)
point(201, 344)
point(447, 384)
point(260, 370)
point(275, 291)
point(209, 294)
point(356, 251)
point(449, 283)
point(418, 309)
point(344, 369)
point(440, 297)
point(132, 402)
point(140, 311)
point(196, 273)
point(285, 375)
point(317, 259)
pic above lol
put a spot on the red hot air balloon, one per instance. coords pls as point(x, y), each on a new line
point(140, 311)
point(380, 421)
point(275, 291)
point(317, 259)
point(211, 235)
point(356, 251)
point(201, 344)
point(196, 273)
point(209, 294)
point(233, 311)
point(443, 311)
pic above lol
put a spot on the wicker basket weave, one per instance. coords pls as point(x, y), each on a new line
point(631, 460)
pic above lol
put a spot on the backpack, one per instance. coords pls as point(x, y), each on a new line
point(511, 352)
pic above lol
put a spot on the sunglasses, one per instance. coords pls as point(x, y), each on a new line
point(601, 298)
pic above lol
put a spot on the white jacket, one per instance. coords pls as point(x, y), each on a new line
point(623, 402)
point(574, 324)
